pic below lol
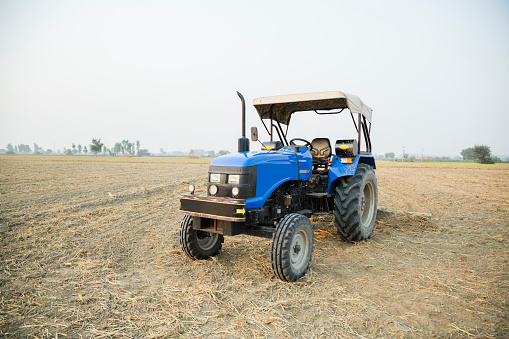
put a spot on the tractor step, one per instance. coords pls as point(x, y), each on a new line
point(317, 195)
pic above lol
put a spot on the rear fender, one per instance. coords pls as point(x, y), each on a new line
point(338, 170)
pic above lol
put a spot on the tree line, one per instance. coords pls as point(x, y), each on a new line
point(480, 154)
point(96, 147)
point(123, 147)
point(22, 148)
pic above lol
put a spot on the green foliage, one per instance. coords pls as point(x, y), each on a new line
point(390, 155)
point(468, 153)
point(143, 153)
point(24, 148)
point(223, 152)
point(68, 152)
point(37, 149)
point(482, 154)
point(96, 146)
point(10, 149)
point(85, 149)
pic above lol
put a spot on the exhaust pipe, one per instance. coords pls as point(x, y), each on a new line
point(243, 142)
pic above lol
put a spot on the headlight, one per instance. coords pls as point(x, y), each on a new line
point(191, 189)
point(234, 179)
point(235, 191)
point(215, 177)
point(213, 189)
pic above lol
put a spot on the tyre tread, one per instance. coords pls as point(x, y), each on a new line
point(346, 202)
point(187, 243)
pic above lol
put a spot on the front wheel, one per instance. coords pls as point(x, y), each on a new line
point(292, 247)
point(198, 244)
point(355, 204)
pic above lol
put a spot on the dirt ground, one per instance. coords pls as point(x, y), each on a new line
point(90, 250)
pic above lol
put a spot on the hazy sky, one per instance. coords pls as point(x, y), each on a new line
point(435, 73)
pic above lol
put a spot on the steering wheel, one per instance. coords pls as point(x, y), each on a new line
point(306, 143)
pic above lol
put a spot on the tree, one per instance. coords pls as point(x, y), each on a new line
point(482, 154)
point(96, 146)
point(211, 154)
point(390, 155)
point(138, 147)
point(223, 152)
point(117, 148)
point(79, 149)
point(37, 149)
point(132, 150)
point(24, 148)
point(73, 148)
point(125, 144)
point(143, 153)
point(10, 149)
point(68, 152)
point(467, 153)
point(85, 150)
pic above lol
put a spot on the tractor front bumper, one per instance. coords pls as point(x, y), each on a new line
point(215, 215)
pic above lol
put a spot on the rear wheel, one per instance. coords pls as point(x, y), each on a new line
point(198, 244)
point(292, 247)
point(355, 204)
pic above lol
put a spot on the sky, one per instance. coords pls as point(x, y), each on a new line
point(435, 73)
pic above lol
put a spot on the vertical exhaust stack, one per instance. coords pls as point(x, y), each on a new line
point(243, 142)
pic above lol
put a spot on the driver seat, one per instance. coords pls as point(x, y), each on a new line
point(321, 152)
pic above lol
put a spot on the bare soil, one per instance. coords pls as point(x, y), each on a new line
point(90, 249)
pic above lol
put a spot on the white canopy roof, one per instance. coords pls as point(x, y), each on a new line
point(283, 106)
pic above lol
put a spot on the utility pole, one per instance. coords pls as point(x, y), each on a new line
point(403, 159)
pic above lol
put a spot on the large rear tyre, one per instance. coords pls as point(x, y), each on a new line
point(355, 204)
point(198, 244)
point(292, 247)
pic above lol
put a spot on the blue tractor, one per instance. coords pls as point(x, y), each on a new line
point(273, 192)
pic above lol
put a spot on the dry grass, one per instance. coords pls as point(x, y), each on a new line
point(90, 249)
point(418, 164)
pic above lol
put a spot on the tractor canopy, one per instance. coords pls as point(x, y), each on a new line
point(280, 108)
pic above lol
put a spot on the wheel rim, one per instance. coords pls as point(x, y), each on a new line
point(205, 240)
point(299, 249)
point(367, 203)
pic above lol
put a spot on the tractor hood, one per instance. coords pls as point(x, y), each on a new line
point(255, 158)
point(273, 168)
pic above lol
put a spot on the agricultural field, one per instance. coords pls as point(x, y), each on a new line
point(90, 249)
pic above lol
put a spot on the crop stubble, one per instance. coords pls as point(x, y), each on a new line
point(90, 249)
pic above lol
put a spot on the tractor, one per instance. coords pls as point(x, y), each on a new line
point(274, 192)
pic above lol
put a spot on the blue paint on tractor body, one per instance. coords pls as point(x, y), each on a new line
point(274, 168)
point(338, 170)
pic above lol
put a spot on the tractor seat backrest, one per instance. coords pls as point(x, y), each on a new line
point(321, 148)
